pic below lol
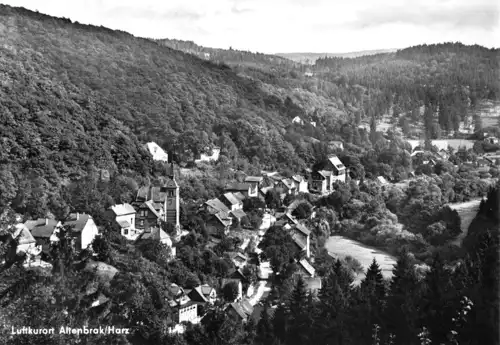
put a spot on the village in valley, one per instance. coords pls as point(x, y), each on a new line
point(166, 172)
point(154, 215)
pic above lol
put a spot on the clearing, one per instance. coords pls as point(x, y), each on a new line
point(340, 246)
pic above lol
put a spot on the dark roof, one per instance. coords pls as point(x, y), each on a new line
point(243, 308)
point(157, 194)
point(238, 186)
point(299, 241)
point(253, 179)
point(41, 227)
point(156, 234)
point(197, 294)
point(303, 229)
point(77, 221)
point(233, 200)
point(217, 205)
point(257, 312)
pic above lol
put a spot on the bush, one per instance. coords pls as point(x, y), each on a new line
point(230, 291)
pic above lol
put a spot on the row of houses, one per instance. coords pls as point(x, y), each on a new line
point(34, 237)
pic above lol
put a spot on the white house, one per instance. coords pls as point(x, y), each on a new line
point(313, 123)
point(300, 183)
point(491, 140)
point(298, 120)
point(209, 158)
point(83, 228)
point(26, 241)
point(124, 215)
point(157, 152)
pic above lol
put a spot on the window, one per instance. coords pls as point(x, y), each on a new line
point(142, 222)
point(132, 221)
point(125, 231)
point(170, 193)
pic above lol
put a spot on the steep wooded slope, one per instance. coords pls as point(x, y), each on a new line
point(77, 97)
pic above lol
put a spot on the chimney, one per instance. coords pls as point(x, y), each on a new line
point(77, 216)
point(46, 221)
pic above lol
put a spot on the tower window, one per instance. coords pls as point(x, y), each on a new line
point(170, 193)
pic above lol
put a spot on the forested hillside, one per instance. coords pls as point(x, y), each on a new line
point(446, 78)
point(75, 98)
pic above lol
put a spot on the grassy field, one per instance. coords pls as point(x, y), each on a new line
point(339, 246)
point(489, 112)
point(467, 211)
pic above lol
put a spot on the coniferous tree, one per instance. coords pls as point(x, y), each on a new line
point(401, 314)
point(298, 314)
point(438, 301)
point(373, 292)
point(332, 316)
point(265, 331)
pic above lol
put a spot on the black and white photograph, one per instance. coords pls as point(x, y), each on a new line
point(249, 172)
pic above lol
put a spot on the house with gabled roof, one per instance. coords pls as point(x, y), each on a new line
point(231, 201)
point(336, 144)
point(203, 294)
point(298, 120)
point(241, 310)
point(124, 216)
point(243, 188)
point(148, 216)
point(83, 229)
point(305, 269)
point(165, 198)
point(382, 180)
point(44, 231)
point(300, 183)
point(218, 224)
point(159, 235)
point(238, 214)
point(286, 186)
point(331, 171)
point(254, 182)
point(238, 259)
point(215, 205)
point(239, 196)
point(302, 237)
point(156, 152)
point(25, 240)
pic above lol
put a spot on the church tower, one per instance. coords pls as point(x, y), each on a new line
point(172, 202)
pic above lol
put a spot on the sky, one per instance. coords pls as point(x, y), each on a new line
point(285, 26)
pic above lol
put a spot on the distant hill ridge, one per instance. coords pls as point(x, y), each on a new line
point(312, 57)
